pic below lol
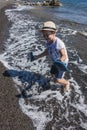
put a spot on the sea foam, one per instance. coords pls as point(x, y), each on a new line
point(40, 107)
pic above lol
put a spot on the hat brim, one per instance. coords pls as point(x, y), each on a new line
point(48, 29)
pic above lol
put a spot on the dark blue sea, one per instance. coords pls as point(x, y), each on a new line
point(72, 10)
point(48, 106)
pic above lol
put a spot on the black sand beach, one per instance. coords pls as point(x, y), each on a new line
point(11, 116)
point(64, 114)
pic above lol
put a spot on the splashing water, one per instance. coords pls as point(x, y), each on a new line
point(65, 111)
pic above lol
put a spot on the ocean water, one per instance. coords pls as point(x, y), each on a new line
point(44, 102)
point(71, 10)
point(74, 10)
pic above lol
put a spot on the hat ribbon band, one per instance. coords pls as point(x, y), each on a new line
point(48, 28)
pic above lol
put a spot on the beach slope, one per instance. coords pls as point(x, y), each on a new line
point(11, 116)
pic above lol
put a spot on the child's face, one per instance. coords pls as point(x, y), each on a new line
point(49, 35)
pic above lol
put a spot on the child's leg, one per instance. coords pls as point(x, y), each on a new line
point(64, 82)
point(58, 78)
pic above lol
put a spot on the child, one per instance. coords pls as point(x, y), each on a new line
point(56, 50)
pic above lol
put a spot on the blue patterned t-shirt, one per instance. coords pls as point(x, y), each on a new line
point(54, 50)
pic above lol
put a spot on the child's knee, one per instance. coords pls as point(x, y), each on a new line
point(58, 80)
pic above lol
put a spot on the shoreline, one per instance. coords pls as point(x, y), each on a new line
point(11, 115)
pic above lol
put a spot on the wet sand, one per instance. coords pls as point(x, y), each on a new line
point(11, 115)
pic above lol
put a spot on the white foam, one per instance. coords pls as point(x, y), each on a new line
point(17, 48)
point(83, 125)
point(20, 8)
point(39, 118)
point(21, 41)
point(83, 33)
point(83, 68)
point(67, 31)
point(78, 61)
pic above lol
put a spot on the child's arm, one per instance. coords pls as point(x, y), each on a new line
point(63, 55)
point(41, 55)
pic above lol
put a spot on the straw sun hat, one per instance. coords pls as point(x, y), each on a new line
point(49, 26)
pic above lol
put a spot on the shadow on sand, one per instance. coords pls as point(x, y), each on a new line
point(28, 79)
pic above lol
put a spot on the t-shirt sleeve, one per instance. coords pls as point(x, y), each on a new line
point(60, 44)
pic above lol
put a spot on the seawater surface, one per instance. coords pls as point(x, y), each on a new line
point(45, 104)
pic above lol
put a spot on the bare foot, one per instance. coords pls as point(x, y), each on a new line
point(67, 86)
